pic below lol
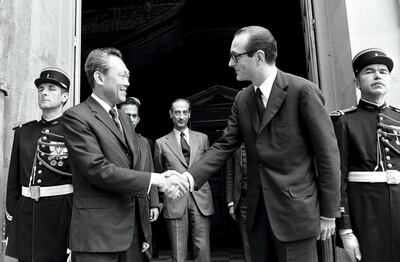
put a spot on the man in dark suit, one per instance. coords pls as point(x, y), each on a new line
point(106, 168)
point(293, 173)
point(178, 150)
point(236, 194)
point(39, 187)
point(149, 206)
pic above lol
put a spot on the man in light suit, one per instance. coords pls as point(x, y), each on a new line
point(293, 170)
point(105, 164)
point(236, 194)
point(178, 150)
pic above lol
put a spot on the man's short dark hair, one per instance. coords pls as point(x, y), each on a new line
point(97, 61)
point(131, 101)
point(260, 38)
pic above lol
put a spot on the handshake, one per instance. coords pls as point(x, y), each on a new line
point(172, 183)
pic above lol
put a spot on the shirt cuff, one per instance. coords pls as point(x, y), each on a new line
point(343, 232)
point(152, 181)
point(230, 204)
point(190, 180)
point(328, 218)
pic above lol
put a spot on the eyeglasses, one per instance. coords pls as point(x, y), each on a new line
point(235, 57)
point(133, 115)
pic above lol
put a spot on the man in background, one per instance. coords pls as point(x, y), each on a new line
point(236, 194)
point(39, 188)
point(178, 150)
point(369, 141)
point(131, 108)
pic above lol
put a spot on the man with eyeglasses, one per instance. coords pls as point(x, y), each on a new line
point(293, 175)
point(131, 108)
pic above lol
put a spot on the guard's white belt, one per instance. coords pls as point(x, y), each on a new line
point(389, 176)
point(47, 191)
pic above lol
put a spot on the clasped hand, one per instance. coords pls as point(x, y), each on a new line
point(175, 185)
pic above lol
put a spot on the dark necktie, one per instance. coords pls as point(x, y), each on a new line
point(113, 113)
point(243, 163)
point(260, 104)
point(185, 148)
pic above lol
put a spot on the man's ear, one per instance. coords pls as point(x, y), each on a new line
point(356, 82)
point(98, 77)
point(64, 97)
point(260, 55)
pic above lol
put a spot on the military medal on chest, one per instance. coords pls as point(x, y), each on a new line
point(51, 151)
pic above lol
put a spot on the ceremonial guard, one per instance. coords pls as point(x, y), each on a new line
point(369, 141)
point(39, 189)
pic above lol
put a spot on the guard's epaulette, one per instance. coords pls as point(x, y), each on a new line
point(27, 123)
point(343, 112)
point(395, 109)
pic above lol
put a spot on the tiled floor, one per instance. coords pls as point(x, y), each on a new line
point(219, 255)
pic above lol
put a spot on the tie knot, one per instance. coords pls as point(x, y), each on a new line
point(258, 92)
point(113, 112)
point(182, 134)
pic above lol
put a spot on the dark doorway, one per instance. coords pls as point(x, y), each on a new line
point(181, 48)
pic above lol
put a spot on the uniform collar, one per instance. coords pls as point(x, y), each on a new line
point(50, 122)
point(371, 106)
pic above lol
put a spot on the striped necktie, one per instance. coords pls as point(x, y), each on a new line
point(114, 115)
point(185, 148)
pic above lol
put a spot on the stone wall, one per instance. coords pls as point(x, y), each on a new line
point(33, 35)
point(377, 24)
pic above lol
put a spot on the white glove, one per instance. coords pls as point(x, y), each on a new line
point(351, 246)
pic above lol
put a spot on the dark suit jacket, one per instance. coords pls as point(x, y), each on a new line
point(151, 200)
point(281, 149)
point(105, 181)
point(234, 174)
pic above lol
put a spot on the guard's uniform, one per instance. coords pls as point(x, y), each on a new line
point(369, 142)
point(39, 193)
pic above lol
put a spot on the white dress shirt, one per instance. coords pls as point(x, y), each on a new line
point(266, 86)
point(178, 136)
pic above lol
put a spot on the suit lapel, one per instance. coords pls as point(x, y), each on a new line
point(194, 144)
point(104, 117)
point(275, 100)
point(175, 147)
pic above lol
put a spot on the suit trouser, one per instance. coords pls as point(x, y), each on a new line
point(240, 214)
point(178, 230)
point(265, 247)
